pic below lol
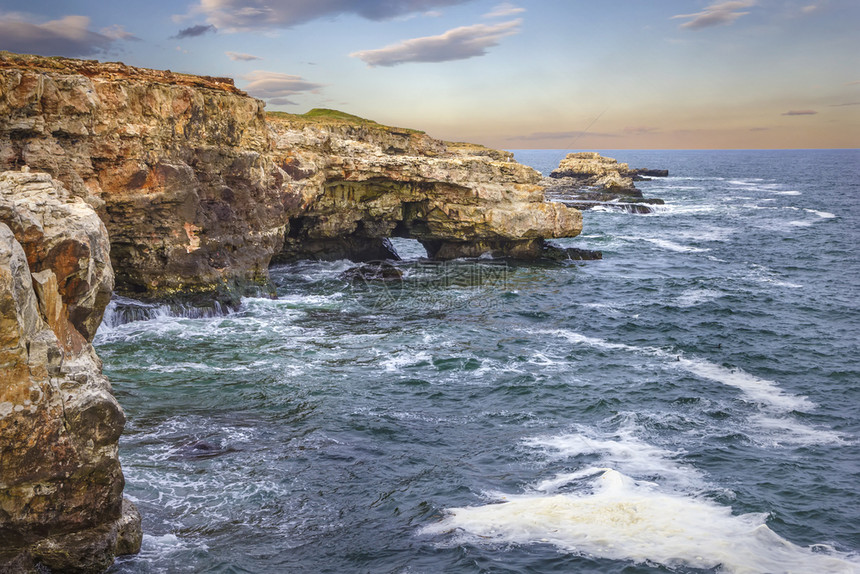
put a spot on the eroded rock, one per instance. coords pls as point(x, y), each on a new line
point(362, 182)
point(60, 479)
point(199, 190)
point(585, 180)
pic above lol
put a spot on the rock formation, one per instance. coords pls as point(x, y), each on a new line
point(175, 165)
point(61, 502)
point(199, 193)
point(361, 182)
point(586, 179)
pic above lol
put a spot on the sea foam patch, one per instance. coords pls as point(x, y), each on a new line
point(618, 518)
point(622, 451)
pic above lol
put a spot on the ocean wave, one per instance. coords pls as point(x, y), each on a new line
point(621, 450)
point(773, 402)
point(619, 518)
point(757, 390)
point(666, 244)
point(821, 214)
point(693, 297)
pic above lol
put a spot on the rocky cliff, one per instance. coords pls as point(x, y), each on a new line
point(175, 165)
point(199, 192)
point(61, 485)
point(361, 182)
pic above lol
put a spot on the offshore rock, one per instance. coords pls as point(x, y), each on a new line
point(586, 180)
point(61, 502)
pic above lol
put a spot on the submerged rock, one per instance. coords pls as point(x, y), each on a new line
point(373, 271)
point(61, 485)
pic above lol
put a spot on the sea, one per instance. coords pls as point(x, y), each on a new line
point(687, 404)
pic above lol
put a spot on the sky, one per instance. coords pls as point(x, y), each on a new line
point(551, 74)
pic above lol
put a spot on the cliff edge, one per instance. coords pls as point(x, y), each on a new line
point(200, 190)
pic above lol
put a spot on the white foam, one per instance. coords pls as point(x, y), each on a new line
point(621, 450)
point(693, 297)
point(821, 214)
point(618, 518)
point(668, 245)
point(758, 390)
point(776, 431)
point(767, 394)
point(800, 223)
point(791, 192)
point(397, 362)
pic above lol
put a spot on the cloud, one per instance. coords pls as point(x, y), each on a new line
point(68, 36)
point(759, 129)
point(194, 31)
point(457, 44)
point(504, 10)
point(716, 14)
point(247, 15)
point(800, 113)
point(239, 57)
point(845, 104)
point(537, 136)
point(277, 87)
point(640, 130)
point(118, 32)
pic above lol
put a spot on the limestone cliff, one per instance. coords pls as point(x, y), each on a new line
point(61, 502)
point(199, 193)
point(176, 166)
point(361, 182)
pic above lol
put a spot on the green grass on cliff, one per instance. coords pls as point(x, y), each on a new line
point(327, 116)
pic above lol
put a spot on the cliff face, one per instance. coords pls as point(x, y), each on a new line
point(199, 193)
point(175, 165)
point(60, 479)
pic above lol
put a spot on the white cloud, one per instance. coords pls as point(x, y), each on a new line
point(277, 87)
point(118, 32)
point(240, 57)
point(457, 44)
point(716, 14)
point(68, 36)
point(504, 10)
point(571, 135)
point(247, 15)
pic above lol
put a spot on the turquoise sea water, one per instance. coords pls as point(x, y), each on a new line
point(687, 404)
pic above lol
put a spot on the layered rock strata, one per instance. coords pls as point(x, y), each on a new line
point(61, 504)
point(585, 180)
point(176, 166)
point(200, 193)
point(361, 182)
